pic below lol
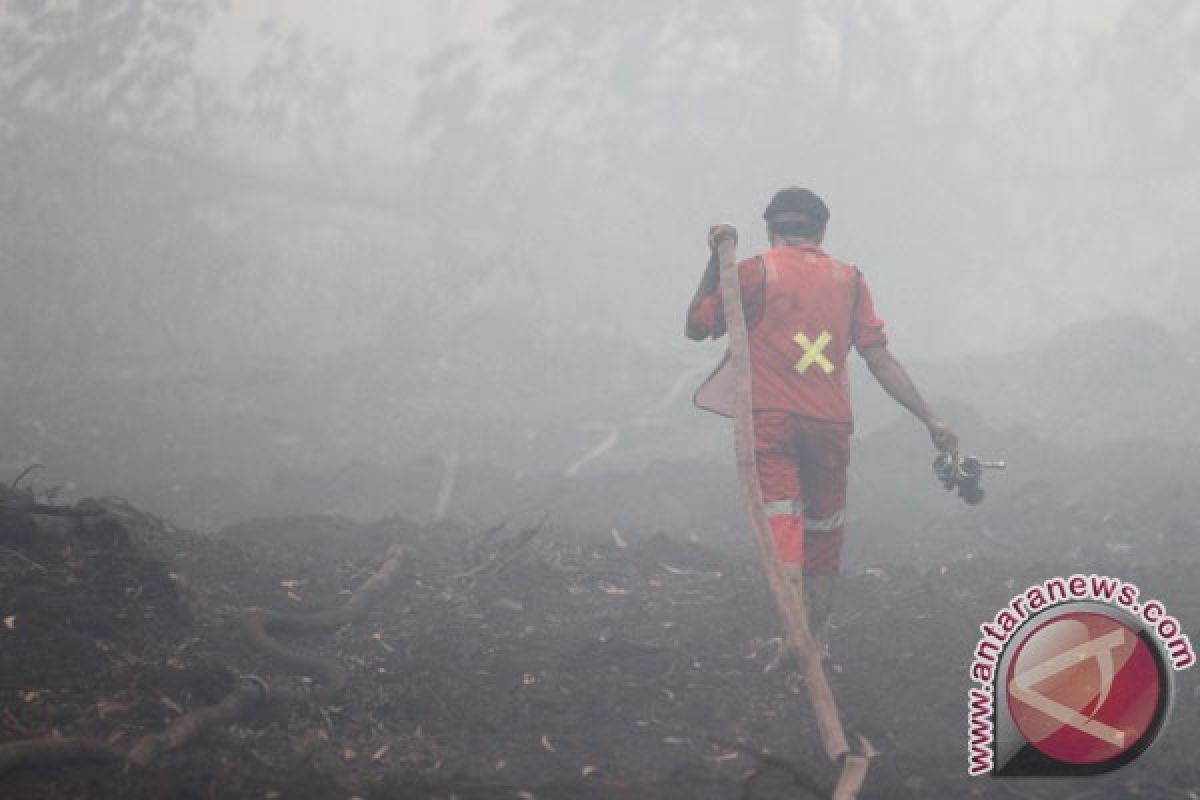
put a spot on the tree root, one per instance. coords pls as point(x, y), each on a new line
point(35, 752)
point(250, 693)
point(260, 623)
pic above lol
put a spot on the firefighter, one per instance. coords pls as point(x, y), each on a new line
point(804, 310)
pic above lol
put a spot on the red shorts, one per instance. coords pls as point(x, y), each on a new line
point(802, 474)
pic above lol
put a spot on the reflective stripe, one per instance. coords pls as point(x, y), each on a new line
point(830, 523)
point(813, 352)
point(784, 508)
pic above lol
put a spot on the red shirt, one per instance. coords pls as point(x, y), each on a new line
point(805, 310)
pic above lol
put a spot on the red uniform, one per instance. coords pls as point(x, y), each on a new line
point(804, 310)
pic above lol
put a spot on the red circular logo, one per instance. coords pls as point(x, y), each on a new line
point(1084, 688)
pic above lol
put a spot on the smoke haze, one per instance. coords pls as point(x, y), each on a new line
point(240, 239)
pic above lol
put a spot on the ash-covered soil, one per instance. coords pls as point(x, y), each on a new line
point(525, 659)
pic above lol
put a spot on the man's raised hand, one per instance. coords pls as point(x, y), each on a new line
point(719, 232)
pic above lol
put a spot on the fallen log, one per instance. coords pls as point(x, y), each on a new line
point(24, 506)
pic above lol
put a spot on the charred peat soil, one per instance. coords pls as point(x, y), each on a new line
point(524, 660)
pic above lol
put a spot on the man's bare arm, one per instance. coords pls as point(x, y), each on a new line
point(895, 381)
point(711, 280)
point(708, 284)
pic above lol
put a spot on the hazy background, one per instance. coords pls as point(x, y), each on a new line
point(245, 246)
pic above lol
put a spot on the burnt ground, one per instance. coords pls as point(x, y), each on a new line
point(527, 659)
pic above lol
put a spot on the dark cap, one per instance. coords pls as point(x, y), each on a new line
point(800, 202)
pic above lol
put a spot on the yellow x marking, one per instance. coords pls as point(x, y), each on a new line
point(812, 352)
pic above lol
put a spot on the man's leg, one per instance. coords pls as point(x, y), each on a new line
point(820, 570)
point(824, 456)
point(779, 483)
point(818, 593)
point(783, 500)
